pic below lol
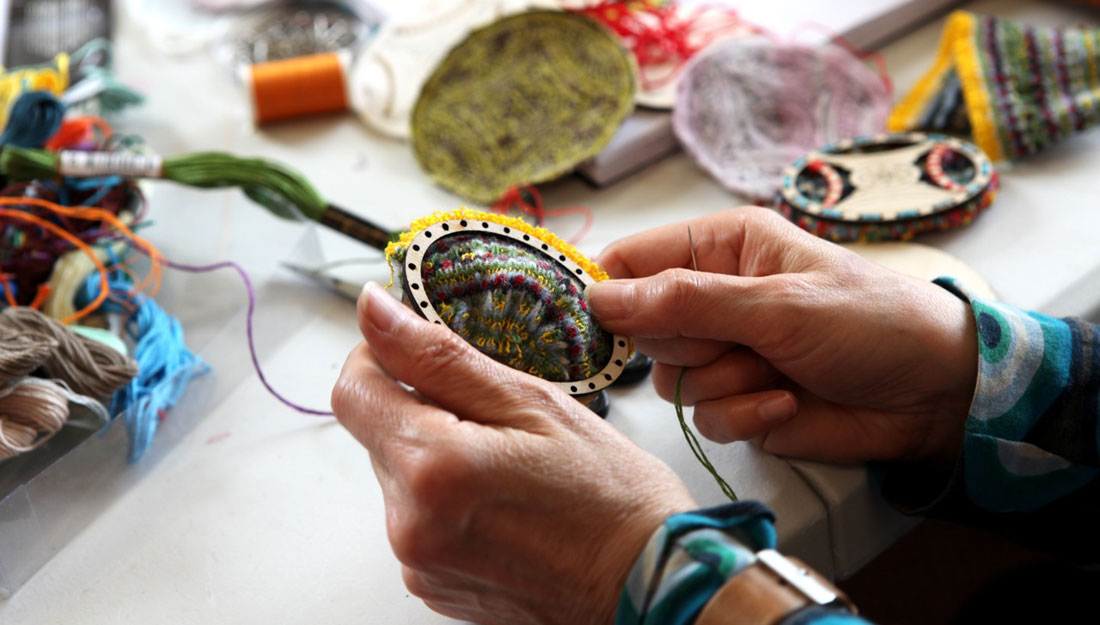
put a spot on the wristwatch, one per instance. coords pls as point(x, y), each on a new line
point(770, 590)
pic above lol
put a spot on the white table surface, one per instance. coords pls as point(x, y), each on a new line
point(262, 515)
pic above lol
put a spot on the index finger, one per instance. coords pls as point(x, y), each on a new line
point(745, 241)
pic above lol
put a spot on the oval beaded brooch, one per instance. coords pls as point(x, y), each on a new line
point(886, 187)
point(513, 291)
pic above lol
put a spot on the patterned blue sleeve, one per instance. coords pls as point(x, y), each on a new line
point(694, 554)
point(689, 558)
point(1030, 453)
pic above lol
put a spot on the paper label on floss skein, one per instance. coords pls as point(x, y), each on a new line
point(127, 164)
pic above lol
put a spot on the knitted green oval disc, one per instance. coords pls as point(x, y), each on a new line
point(521, 101)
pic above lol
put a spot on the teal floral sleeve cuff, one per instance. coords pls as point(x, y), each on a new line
point(1031, 435)
point(689, 558)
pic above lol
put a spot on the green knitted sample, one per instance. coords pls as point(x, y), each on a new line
point(514, 304)
point(521, 101)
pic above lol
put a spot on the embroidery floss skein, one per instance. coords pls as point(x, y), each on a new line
point(165, 364)
point(34, 409)
point(53, 77)
point(278, 188)
point(88, 367)
point(35, 117)
point(31, 411)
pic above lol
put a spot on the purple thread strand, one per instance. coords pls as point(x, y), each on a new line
point(251, 342)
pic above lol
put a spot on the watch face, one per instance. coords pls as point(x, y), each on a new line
point(39, 29)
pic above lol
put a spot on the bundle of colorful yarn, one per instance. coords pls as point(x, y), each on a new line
point(511, 301)
point(1018, 89)
point(67, 278)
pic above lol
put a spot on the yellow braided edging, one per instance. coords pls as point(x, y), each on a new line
point(905, 114)
point(541, 234)
point(968, 64)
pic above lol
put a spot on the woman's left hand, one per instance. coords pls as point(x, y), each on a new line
point(506, 500)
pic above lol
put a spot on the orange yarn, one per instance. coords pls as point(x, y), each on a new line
point(93, 214)
point(104, 287)
point(76, 129)
point(298, 87)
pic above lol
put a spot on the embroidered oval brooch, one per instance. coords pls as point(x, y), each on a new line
point(513, 291)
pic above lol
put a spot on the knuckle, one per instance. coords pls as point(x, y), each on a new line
point(347, 392)
point(418, 584)
point(678, 285)
point(441, 353)
point(416, 543)
point(678, 290)
point(342, 396)
point(433, 477)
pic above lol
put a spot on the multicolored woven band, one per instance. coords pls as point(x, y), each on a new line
point(1018, 89)
point(887, 187)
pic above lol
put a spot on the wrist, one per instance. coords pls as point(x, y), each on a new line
point(688, 558)
point(955, 353)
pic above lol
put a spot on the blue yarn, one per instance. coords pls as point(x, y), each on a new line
point(102, 184)
point(165, 365)
point(34, 118)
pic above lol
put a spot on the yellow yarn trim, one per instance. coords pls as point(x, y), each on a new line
point(53, 77)
point(1094, 77)
point(958, 49)
point(979, 107)
point(905, 114)
point(542, 234)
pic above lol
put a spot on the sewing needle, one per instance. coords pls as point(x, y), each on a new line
point(691, 246)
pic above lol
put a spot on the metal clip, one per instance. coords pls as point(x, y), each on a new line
point(797, 577)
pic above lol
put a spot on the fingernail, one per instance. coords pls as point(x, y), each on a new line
point(777, 408)
point(611, 299)
point(383, 312)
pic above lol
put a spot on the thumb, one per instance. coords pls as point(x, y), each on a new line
point(683, 303)
point(446, 369)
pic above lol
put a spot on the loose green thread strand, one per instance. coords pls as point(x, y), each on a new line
point(693, 442)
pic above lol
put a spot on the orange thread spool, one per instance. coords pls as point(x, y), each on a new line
point(298, 87)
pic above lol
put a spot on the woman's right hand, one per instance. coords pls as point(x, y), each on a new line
point(793, 342)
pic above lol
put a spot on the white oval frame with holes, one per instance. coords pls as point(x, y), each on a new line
point(414, 258)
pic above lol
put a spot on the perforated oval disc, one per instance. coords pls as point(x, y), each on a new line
point(514, 297)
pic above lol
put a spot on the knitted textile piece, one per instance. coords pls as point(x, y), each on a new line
point(887, 187)
point(1016, 88)
point(521, 101)
point(511, 297)
point(746, 108)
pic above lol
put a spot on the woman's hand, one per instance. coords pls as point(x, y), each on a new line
point(793, 342)
point(506, 500)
